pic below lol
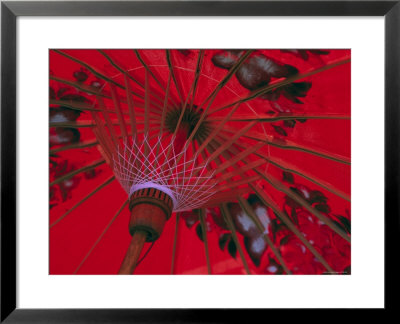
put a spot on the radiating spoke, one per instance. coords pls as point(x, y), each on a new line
point(214, 93)
point(80, 145)
point(229, 160)
point(290, 145)
point(279, 186)
point(100, 237)
point(175, 243)
point(204, 232)
point(100, 75)
point(81, 86)
point(250, 212)
point(228, 219)
point(267, 201)
point(128, 75)
point(171, 71)
point(280, 164)
point(261, 118)
point(286, 220)
point(80, 202)
point(77, 171)
point(131, 106)
point(192, 88)
point(280, 83)
point(75, 105)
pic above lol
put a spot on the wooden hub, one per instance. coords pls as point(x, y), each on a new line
point(150, 209)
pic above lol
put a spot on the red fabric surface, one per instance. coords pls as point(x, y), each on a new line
point(74, 236)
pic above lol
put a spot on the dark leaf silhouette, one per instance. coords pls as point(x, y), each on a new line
point(323, 208)
point(291, 91)
point(81, 75)
point(91, 174)
point(276, 225)
point(345, 222)
point(274, 267)
point(305, 53)
point(289, 123)
point(284, 240)
point(52, 93)
point(293, 215)
point(185, 52)
point(74, 97)
point(218, 218)
point(199, 232)
point(317, 197)
point(288, 177)
point(279, 130)
point(232, 249)
point(347, 270)
point(223, 240)
point(63, 114)
point(338, 224)
point(253, 199)
point(294, 90)
point(190, 218)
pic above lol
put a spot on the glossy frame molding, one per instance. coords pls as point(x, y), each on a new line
point(10, 10)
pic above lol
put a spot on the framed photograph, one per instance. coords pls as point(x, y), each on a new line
point(197, 158)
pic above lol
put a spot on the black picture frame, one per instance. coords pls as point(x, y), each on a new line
point(10, 10)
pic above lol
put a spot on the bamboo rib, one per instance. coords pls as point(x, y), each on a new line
point(278, 163)
point(108, 121)
point(108, 144)
point(280, 83)
point(80, 202)
point(199, 66)
point(171, 71)
point(100, 237)
point(279, 186)
point(79, 145)
point(246, 207)
point(226, 196)
point(270, 203)
point(75, 172)
point(290, 145)
point(118, 109)
point(228, 220)
point(99, 74)
point(175, 243)
point(131, 106)
point(250, 212)
point(127, 75)
point(197, 75)
point(279, 117)
point(214, 93)
point(288, 223)
point(204, 232)
point(95, 71)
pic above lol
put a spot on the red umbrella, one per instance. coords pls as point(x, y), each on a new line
point(200, 161)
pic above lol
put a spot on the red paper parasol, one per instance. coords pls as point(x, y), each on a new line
point(200, 161)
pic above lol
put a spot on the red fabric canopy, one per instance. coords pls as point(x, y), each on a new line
point(291, 106)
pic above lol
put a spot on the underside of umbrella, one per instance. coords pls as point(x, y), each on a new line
point(195, 161)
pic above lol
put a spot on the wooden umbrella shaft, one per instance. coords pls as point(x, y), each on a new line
point(132, 255)
point(150, 209)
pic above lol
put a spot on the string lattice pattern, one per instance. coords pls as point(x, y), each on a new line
point(141, 164)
